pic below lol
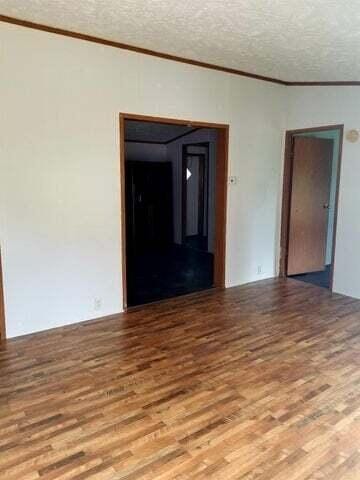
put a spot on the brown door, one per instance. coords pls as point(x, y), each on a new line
point(310, 196)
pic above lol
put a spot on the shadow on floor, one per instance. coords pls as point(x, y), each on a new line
point(321, 279)
point(168, 272)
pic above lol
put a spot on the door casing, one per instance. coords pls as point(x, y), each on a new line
point(220, 200)
point(286, 195)
point(206, 163)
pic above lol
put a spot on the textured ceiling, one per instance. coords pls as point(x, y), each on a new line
point(137, 131)
point(294, 40)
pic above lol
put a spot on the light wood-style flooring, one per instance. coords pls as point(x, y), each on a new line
point(260, 382)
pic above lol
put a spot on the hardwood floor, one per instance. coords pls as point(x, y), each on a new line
point(260, 382)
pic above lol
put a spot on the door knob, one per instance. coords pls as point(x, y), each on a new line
point(326, 206)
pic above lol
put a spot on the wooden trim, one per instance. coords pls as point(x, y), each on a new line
point(336, 126)
point(286, 199)
point(341, 140)
point(132, 48)
point(123, 209)
point(351, 83)
point(166, 56)
point(285, 210)
point(174, 121)
point(2, 306)
point(221, 206)
point(221, 192)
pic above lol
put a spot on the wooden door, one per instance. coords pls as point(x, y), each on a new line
point(309, 206)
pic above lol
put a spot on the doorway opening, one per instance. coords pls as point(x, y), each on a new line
point(197, 212)
point(310, 204)
point(174, 177)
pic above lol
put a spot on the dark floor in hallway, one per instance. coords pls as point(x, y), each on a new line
point(168, 272)
point(321, 279)
point(198, 242)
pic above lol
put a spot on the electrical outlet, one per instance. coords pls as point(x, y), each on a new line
point(97, 303)
point(259, 270)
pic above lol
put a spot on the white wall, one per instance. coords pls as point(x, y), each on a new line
point(59, 159)
point(319, 106)
point(59, 184)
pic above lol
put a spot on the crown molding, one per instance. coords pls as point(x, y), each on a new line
point(132, 48)
point(326, 84)
point(166, 56)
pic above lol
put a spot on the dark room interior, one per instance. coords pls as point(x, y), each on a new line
point(170, 181)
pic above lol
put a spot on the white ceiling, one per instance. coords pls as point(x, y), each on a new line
point(294, 40)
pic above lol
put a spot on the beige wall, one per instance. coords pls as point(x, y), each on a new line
point(59, 158)
point(59, 184)
point(312, 107)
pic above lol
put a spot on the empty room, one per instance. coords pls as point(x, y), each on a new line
point(179, 240)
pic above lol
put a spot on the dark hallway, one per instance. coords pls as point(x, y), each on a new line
point(170, 184)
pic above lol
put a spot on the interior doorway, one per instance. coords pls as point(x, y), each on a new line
point(310, 201)
point(197, 187)
point(174, 178)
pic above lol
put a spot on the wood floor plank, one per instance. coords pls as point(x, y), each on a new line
point(259, 382)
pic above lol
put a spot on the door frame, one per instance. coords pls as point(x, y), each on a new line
point(203, 163)
point(287, 190)
point(206, 164)
point(221, 191)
